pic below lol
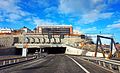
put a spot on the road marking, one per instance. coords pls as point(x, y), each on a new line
point(79, 65)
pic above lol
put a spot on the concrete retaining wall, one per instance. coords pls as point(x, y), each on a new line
point(8, 51)
point(73, 51)
point(76, 51)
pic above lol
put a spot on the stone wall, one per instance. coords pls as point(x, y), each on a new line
point(6, 40)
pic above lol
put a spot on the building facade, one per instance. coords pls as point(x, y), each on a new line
point(25, 29)
point(5, 30)
point(55, 29)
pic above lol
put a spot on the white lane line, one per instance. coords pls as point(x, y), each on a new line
point(79, 65)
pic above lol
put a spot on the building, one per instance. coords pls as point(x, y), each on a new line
point(21, 31)
point(25, 29)
point(54, 29)
point(5, 30)
point(77, 32)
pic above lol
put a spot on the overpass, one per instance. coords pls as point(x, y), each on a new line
point(36, 40)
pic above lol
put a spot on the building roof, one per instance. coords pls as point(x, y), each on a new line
point(55, 26)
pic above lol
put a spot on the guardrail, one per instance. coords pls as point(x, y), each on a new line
point(7, 62)
point(110, 64)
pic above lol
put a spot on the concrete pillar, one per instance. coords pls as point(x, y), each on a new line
point(24, 52)
point(40, 53)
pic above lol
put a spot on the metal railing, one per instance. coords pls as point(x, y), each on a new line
point(6, 62)
point(110, 64)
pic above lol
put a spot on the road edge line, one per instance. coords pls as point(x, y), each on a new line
point(79, 64)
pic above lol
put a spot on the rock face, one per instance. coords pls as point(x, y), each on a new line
point(6, 43)
point(6, 40)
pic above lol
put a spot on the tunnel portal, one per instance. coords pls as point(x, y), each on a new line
point(49, 50)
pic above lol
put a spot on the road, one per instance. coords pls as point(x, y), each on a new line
point(56, 64)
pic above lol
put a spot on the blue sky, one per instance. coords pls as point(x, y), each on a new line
point(87, 16)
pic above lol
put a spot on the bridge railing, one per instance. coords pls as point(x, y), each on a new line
point(6, 62)
point(110, 64)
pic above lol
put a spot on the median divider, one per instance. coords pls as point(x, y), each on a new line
point(110, 64)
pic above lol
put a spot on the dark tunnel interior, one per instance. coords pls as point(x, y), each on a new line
point(32, 50)
point(49, 50)
point(55, 50)
point(18, 51)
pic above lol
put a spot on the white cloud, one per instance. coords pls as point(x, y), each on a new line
point(70, 6)
point(113, 1)
point(93, 16)
point(96, 1)
point(112, 26)
point(88, 11)
point(78, 29)
point(38, 22)
point(115, 25)
point(51, 12)
point(87, 30)
point(43, 3)
point(14, 16)
point(80, 6)
point(10, 10)
point(90, 29)
point(117, 21)
point(35, 4)
point(10, 6)
point(28, 19)
point(50, 9)
point(1, 18)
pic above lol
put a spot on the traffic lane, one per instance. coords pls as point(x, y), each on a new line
point(56, 64)
point(60, 64)
point(92, 68)
point(19, 66)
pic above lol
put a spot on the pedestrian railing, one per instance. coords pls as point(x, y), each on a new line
point(110, 64)
point(6, 62)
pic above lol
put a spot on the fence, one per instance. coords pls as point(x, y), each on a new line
point(110, 64)
point(7, 62)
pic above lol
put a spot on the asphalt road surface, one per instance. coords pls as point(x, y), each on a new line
point(56, 64)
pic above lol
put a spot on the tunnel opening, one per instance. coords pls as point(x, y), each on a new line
point(18, 51)
point(55, 50)
point(33, 50)
point(30, 51)
point(49, 50)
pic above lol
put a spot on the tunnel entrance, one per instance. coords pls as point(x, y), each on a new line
point(55, 50)
point(32, 50)
point(18, 51)
point(49, 50)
